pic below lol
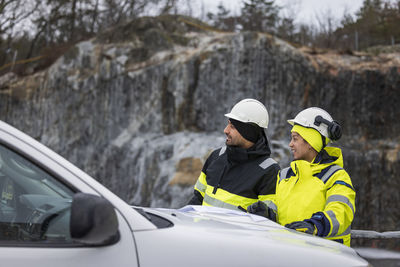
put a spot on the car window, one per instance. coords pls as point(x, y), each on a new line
point(34, 205)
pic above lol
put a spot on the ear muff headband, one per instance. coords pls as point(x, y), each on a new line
point(334, 128)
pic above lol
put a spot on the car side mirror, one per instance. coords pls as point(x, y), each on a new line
point(93, 220)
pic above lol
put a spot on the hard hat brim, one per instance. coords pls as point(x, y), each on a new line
point(233, 116)
point(291, 122)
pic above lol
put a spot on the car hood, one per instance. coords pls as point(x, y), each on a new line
point(247, 239)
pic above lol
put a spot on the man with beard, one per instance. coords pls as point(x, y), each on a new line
point(242, 172)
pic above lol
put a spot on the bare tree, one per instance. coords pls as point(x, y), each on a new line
point(13, 12)
point(169, 6)
point(326, 26)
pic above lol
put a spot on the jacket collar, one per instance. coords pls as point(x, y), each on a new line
point(239, 155)
point(328, 156)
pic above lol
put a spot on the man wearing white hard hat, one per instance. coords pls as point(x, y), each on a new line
point(242, 172)
point(315, 194)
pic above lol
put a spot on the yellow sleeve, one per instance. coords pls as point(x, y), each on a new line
point(201, 184)
point(340, 202)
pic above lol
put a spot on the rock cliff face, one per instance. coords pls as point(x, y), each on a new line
point(140, 107)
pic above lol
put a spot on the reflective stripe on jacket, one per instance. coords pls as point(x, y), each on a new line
point(321, 186)
point(236, 185)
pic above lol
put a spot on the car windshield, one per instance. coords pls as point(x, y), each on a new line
point(34, 205)
point(28, 176)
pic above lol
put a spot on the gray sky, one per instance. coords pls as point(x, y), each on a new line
point(307, 11)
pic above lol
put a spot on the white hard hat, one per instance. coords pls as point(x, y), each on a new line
point(250, 110)
point(320, 120)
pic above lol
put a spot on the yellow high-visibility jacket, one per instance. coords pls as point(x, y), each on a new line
point(320, 191)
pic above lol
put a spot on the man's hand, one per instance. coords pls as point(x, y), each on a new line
point(303, 226)
point(260, 208)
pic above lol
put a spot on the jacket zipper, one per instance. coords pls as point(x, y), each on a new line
point(220, 179)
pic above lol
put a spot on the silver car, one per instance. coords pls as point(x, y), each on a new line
point(53, 214)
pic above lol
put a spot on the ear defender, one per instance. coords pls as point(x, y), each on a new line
point(334, 128)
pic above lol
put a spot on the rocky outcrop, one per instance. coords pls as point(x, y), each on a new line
point(141, 106)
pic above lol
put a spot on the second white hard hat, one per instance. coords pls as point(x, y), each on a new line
point(320, 120)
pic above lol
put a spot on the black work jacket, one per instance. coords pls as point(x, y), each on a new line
point(244, 172)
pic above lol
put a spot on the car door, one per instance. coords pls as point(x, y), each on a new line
point(35, 198)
